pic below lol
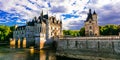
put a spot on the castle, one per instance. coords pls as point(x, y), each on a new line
point(39, 30)
point(91, 25)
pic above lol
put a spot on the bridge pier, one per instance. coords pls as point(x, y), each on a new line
point(12, 43)
point(24, 43)
point(17, 43)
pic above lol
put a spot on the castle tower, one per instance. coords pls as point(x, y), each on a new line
point(91, 25)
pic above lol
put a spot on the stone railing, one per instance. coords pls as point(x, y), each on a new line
point(93, 38)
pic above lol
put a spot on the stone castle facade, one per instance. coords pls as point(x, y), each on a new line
point(39, 30)
point(91, 25)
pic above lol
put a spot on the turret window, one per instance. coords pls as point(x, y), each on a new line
point(89, 21)
point(90, 27)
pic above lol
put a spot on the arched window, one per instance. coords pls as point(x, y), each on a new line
point(91, 33)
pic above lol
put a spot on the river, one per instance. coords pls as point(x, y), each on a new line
point(28, 54)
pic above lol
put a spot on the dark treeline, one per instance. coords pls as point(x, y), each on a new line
point(6, 32)
point(110, 30)
point(104, 30)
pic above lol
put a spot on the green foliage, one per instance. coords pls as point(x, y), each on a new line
point(82, 31)
point(118, 28)
point(73, 33)
point(109, 30)
point(5, 33)
point(104, 30)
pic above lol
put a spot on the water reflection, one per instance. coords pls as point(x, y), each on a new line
point(31, 50)
point(26, 54)
point(47, 55)
point(41, 55)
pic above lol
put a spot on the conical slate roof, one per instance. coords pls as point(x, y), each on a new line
point(89, 15)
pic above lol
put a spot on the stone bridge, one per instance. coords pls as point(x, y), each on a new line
point(92, 48)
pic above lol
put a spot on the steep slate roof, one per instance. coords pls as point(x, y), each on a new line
point(89, 16)
point(94, 12)
point(40, 19)
point(30, 23)
point(20, 27)
point(45, 16)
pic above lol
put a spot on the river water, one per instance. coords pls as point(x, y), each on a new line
point(28, 54)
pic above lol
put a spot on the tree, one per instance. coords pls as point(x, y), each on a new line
point(12, 28)
point(109, 30)
point(4, 33)
point(82, 31)
point(73, 33)
point(66, 32)
point(118, 29)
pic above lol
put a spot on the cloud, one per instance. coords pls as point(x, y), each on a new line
point(109, 14)
point(72, 12)
point(73, 23)
point(59, 9)
point(20, 21)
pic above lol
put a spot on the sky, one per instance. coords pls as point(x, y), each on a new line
point(73, 13)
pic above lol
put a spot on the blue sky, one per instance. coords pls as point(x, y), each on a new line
point(73, 13)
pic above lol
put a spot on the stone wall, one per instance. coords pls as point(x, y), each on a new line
point(102, 44)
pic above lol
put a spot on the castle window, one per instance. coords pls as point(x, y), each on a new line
point(22, 32)
point(51, 34)
point(40, 29)
point(16, 32)
point(37, 29)
point(89, 21)
point(90, 27)
point(51, 28)
point(56, 28)
point(95, 34)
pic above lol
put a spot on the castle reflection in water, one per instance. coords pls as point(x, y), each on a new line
point(26, 54)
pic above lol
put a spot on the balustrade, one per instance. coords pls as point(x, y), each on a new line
point(93, 38)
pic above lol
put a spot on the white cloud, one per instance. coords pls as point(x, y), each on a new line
point(62, 7)
point(19, 21)
point(65, 3)
point(72, 22)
